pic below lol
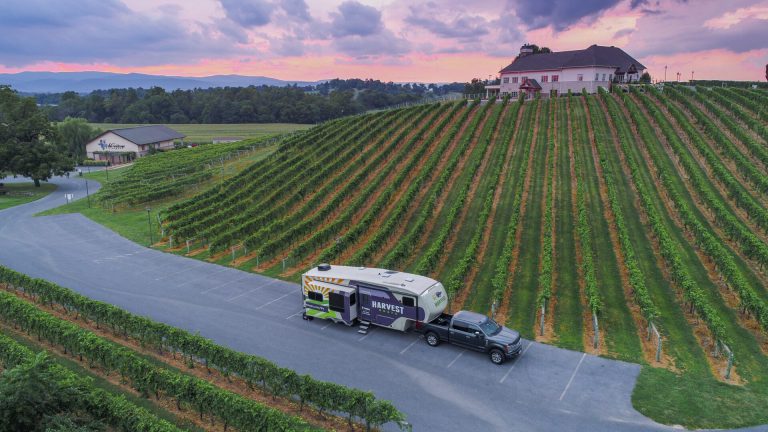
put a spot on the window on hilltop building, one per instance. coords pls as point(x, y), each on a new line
point(603, 77)
point(506, 80)
point(579, 77)
point(555, 78)
point(513, 95)
point(610, 77)
point(544, 78)
point(514, 80)
point(597, 77)
point(523, 79)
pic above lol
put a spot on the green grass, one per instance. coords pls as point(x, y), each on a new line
point(620, 332)
point(18, 193)
point(102, 383)
point(525, 280)
point(204, 133)
point(568, 309)
point(698, 402)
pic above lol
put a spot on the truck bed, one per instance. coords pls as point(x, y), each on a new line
point(444, 320)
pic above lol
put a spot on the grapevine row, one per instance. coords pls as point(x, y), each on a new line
point(395, 217)
point(113, 409)
point(253, 369)
point(668, 248)
point(749, 243)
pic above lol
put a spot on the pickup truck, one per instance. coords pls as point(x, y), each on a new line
point(473, 331)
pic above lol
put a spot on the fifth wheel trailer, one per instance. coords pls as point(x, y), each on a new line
point(404, 302)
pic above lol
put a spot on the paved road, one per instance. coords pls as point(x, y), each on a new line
point(444, 388)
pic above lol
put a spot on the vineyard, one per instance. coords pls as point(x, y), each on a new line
point(69, 322)
point(631, 225)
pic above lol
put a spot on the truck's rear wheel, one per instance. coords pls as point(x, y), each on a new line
point(497, 357)
point(432, 339)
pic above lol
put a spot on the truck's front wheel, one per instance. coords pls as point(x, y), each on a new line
point(432, 339)
point(497, 357)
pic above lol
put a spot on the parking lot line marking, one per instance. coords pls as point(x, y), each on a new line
point(279, 298)
point(454, 360)
point(223, 285)
point(501, 381)
point(297, 313)
point(253, 290)
point(367, 334)
point(410, 345)
point(573, 376)
point(326, 326)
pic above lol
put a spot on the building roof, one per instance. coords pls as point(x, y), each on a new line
point(394, 280)
point(595, 55)
point(148, 134)
point(530, 84)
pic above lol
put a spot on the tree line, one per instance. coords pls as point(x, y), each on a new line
point(262, 104)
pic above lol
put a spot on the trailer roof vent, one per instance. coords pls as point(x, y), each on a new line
point(409, 279)
point(361, 268)
point(324, 267)
point(385, 275)
point(390, 272)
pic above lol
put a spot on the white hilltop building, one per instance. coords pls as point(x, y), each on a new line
point(553, 74)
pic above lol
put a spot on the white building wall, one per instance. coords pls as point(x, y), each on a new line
point(567, 80)
point(113, 143)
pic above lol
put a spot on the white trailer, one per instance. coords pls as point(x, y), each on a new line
point(381, 297)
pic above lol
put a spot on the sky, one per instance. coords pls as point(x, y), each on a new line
point(390, 40)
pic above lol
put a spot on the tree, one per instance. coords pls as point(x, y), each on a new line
point(645, 78)
point(31, 394)
point(27, 140)
point(73, 134)
point(476, 86)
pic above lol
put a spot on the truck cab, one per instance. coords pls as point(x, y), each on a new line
point(474, 331)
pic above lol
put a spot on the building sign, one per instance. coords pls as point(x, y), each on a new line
point(110, 146)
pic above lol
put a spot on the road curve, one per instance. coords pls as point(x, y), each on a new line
point(443, 388)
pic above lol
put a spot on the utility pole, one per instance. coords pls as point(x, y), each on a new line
point(665, 73)
point(691, 77)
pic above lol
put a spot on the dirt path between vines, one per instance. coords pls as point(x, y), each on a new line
point(469, 280)
point(212, 375)
point(503, 312)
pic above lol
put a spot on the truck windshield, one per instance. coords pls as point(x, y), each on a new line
point(490, 327)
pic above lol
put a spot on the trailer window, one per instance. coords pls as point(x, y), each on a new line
point(336, 302)
point(408, 301)
point(352, 299)
point(316, 296)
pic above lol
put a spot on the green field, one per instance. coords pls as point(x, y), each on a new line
point(204, 133)
point(628, 209)
point(22, 193)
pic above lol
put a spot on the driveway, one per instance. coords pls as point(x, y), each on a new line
point(443, 388)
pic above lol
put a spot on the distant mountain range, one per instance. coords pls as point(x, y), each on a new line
point(86, 82)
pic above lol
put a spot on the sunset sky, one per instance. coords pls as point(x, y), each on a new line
point(397, 40)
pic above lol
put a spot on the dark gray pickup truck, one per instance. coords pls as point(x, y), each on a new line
point(473, 331)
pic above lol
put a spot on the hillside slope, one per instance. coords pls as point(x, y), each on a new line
point(579, 221)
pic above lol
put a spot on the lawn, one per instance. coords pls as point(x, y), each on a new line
point(204, 133)
point(22, 193)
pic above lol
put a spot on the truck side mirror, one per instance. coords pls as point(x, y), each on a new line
point(477, 333)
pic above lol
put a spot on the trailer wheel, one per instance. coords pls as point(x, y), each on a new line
point(432, 339)
point(497, 357)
